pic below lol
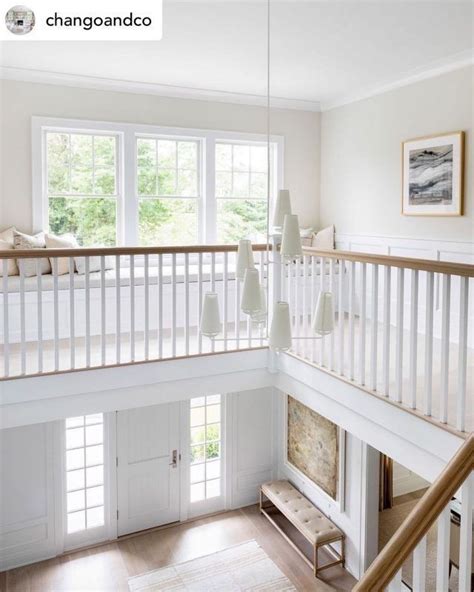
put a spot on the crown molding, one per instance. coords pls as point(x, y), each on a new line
point(147, 88)
point(454, 62)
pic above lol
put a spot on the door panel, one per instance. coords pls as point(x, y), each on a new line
point(148, 481)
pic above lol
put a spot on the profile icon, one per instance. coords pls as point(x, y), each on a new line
point(20, 20)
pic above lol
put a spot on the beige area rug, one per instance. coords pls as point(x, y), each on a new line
point(389, 521)
point(244, 567)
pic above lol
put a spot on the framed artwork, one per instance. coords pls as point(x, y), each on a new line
point(433, 173)
point(315, 449)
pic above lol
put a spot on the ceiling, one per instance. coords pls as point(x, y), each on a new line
point(321, 51)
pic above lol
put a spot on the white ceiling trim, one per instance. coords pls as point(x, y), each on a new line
point(177, 92)
point(455, 62)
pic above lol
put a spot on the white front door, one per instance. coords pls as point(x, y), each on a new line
point(148, 467)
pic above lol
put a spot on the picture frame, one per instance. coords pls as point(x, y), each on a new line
point(433, 175)
point(303, 479)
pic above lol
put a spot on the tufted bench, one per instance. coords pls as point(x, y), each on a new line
point(305, 517)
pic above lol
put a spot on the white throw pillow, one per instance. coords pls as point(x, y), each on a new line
point(12, 268)
point(7, 235)
point(26, 241)
point(65, 241)
point(324, 239)
point(94, 264)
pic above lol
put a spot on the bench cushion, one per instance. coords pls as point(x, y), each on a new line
point(314, 525)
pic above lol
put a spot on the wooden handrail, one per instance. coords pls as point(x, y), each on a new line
point(447, 267)
point(461, 269)
point(416, 525)
point(113, 251)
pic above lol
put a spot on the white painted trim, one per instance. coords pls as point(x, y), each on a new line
point(148, 88)
point(443, 66)
point(432, 70)
point(127, 197)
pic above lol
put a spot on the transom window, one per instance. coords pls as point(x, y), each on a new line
point(168, 191)
point(82, 186)
point(84, 472)
point(206, 448)
point(124, 184)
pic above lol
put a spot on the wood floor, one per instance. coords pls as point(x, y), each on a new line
point(107, 568)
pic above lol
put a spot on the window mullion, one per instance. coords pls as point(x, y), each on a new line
point(209, 203)
point(127, 221)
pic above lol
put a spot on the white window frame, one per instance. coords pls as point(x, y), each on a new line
point(100, 533)
point(127, 201)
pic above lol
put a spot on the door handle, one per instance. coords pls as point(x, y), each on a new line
point(174, 462)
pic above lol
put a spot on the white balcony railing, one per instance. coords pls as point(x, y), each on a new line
point(400, 327)
point(117, 306)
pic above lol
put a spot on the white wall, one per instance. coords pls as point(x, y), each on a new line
point(361, 157)
point(406, 481)
point(26, 495)
point(22, 100)
point(252, 457)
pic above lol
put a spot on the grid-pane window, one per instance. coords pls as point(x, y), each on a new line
point(241, 191)
point(206, 448)
point(168, 191)
point(82, 186)
point(84, 472)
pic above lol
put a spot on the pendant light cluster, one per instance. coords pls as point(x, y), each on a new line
point(254, 301)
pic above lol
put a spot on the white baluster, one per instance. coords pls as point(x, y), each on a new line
point(386, 330)
point(39, 302)
point(237, 313)
point(462, 359)
point(23, 318)
point(200, 300)
point(146, 263)
point(396, 584)
point(72, 324)
point(445, 314)
point(264, 270)
point(374, 326)
point(160, 306)
point(362, 321)
point(429, 342)
point(297, 305)
point(442, 549)
point(305, 304)
point(6, 328)
point(322, 271)
point(55, 313)
point(225, 280)
point(341, 316)
point(332, 290)
point(132, 308)
point(413, 337)
point(399, 335)
point(352, 271)
point(465, 540)
point(314, 296)
point(103, 320)
point(186, 304)
point(173, 305)
point(118, 336)
point(419, 566)
point(87, 302)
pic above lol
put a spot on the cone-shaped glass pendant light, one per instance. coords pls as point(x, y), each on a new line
point(291, 240)
point(210, 316)
point(323, 318)
point(260, 316)
point(280, 331)
point(250, 302)
point(282, 208)
point(244, 258)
